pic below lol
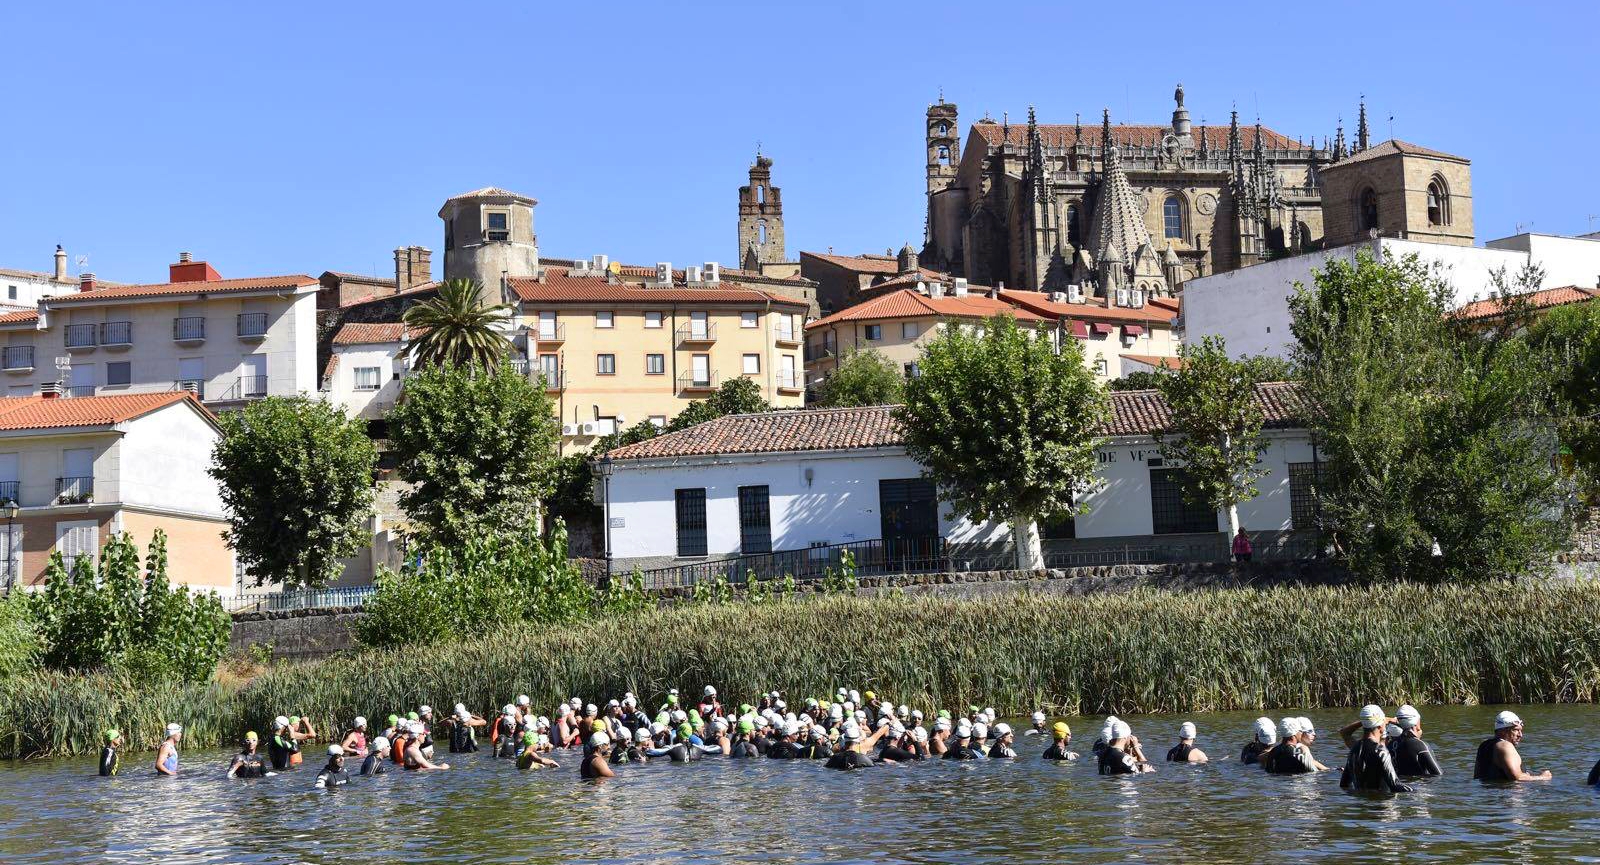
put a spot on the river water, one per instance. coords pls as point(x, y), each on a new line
point(718, 810)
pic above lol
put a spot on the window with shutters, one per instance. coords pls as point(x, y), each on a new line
point(1303, 478)
point(1170, 512)
point(78, 538)
point(691, 508)
point(11, 553)
point(755, 521)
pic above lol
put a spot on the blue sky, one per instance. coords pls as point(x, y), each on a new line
point(287, 137)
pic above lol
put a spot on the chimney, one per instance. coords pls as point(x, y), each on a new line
point(412, 267)
point(188, 270)
point(50, 390)
point(86, 282)
point(61, 264)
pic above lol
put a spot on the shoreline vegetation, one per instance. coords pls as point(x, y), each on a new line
point(1141, 652)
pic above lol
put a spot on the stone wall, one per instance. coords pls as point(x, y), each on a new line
point(297, 634)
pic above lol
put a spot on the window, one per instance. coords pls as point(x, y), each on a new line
point(749, 319)
point(1074, 233)
point(1170, 512)
point(752, 364)
point(1438, 202)
point(605, 364)
point(786, 375)
point(909, 330)
point(652, 319)
point(874, 332)
point(761, 232)
point(547, 325)
point(691, 513)
point(20, 390)
point(11, 546)
point(119, 373)
point(913, 370)
point(1100, 366)
point(1062, 528)
point(11, 292)
point(78, 538)
point(1172, 217)
point(699, 325)
point(786, 327)
point(1369, 209)
point(944, 129)
point(498, 221)
point(1303, 478)
point(908, 512)
point(368, 378)
point(944, 156)
point(655, 364)
point(659, 421)
point(755, 521)
point(605, 320)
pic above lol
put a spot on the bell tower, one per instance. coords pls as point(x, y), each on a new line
point(760, 218)
point(944, 144)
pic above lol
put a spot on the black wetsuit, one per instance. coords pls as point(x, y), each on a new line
point(1286, 759)
point(849, 760)
point(1487, 766)
point(1412, 757)
point(461, 738)
point(1002, 752)
point(958, 751)
point(743, 749)
point(821, 749)
point(761, 742)
point(1369, 767)
point(1179, 753)
point(897, 754)
point(506, 747)
point(249, 765)
point(109, 761)
point(373, 764)
point(1253, 752)
point(1058, 751)
point(1594, 774)
point(784, 750)
point(1115, 761)
point(330, 777)
point(278, 751)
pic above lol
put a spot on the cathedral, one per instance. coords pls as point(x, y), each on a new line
point(1123, 212)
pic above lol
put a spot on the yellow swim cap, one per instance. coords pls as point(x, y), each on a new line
point(870, 696)
point(1062, 730)
point(597, 726)
point(250, 736)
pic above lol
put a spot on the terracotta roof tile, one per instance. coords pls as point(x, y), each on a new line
point(328, 369)
point(220, 286)
point(862, 263)
point(1145, 135)
point(488, 192)
point(370, 333)
point(558, 286)
point(910, 303)
point(425, 288)
point(20, 317)
point(1543, 299)
point(1156, 360)
point(37, 412)
point(1040, 302)
point(1392, 147)
point(1138, 412)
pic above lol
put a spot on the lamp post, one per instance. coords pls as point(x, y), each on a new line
point(10, 510)
point(604, 468)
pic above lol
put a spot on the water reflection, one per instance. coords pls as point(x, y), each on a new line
point(781, 811)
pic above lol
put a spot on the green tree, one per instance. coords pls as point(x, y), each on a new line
point(1216, 428)
point(296, 479)
point(1260, 368)
point(862, 378)
point(735, 396)
point(1005, 425)
point(1568, 339)
point(476, 447)
point(456, 328)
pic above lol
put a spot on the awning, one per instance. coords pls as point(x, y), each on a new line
point(1080, 329)
point(1101, 327)
point(1132, 330)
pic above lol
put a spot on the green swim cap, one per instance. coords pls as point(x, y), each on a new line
point(662, 717)
point(530, 737)
point(412, 716)
point(972, 710)
point(747, 726)
point(685, 731)
point(672, 699)
point(694, 715)
point(112, 735)
point(945, 714)
point(294, 719)
point(393, 720)
point(745, 708)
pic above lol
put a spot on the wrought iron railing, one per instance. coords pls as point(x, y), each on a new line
point(249, 387)
point(189, 328)
point(691, 332)
point(252, 325)
point(78, 390)
point(75, 490)
point(872, 558)
point(304, 599)
point(79, 335)
point(556, 332)
point(116, 333)
point(9, 491)
point(788, 379)
point(697, 381)
point(16, 357)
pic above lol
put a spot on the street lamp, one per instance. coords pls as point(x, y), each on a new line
point(10, 509)
point(604, 468)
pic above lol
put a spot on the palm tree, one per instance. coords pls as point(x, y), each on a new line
point(457, 328)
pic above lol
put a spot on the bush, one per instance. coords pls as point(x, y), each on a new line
point(19, 641)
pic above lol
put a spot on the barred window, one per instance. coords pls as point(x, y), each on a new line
point(691, 506)
point(1303, 480)
point(1170, 512)
point(755, 521)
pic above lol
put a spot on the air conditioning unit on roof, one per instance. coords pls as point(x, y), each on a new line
point(600, 263)
point(1074, 294)
point(579, 267)
point(960, 289)
point(1122, 297)
point(713, 272)
point(663, 272)
point(692, 275)
point(1058, 297)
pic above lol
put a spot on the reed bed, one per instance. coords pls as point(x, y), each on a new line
point(1132, 653)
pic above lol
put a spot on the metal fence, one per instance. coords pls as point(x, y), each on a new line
point(872, 558)
point(1211, 547)
point(305, 599)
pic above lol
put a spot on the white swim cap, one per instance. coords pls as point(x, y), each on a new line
point(641, 735)
point(1186, 730)
point(613, 705)
point(1001, 730)
point(980, 730)
point(919, 734)
point(836, 711)
point(174, 729)
point(964, 729)
point(818, 731)
point(1506, 719)
point(599, 739)
point(529, 722)
point(578, 704)
point(792, 728)
point(904, 711)
point(380, 743)
point(850, 733)
point(508, 709)
point(679, 716)
point(658, 728)
point(464, 716)
point(1266, 733)
point(1121, 730)
point(710, 691)
point(461, 707)
point(1407, 716)
point(916, 714)
point(1038, 717)
point(281, 721)
point(1392, 731)
point(1372, 717)
point(855, 696)
point(591, 709)
point(418, 727)
point(1291, 727)
point(522, 700)
point(360, 721)
point(425, 710)
point(942, 724)
point(335, 750)
point(1305, 724)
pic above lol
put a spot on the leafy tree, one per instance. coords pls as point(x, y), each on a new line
point(863, 378)
point(1436, 457)
point(1260, 368)
point(477, 448)
point(1568, 339)
point(735, 396)
point(296, 478)
point(1140, 380)
point(1216, 428)
point(1005, 425)
point(456, 328)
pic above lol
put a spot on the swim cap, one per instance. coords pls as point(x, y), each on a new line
point(942, 724)
point(792, 728)
point(672, 699)
point(1407, 716)
point(944, 713)
point(529, 722)
point(870, 696)
point(461, 707)
point(522, 700)
point(672, 692)
point(684, 730)
point(412, 716)
point(112, 735)
point(393, 720)
point(1061, 730)
point(972, 710)
point(1372, 717)
point(916, 715)
point(335, 750)
point(964, 729)
point(1392, 731)
point(989, 713)
point(360, 722)
point(710, 691)
point(578, 704)
point(694, 715)
point(1266, 733)
point(251, 736)
point(719, 724)
point(1506, 719)
point(658, 728)
point(174, 729)
point(599, 740)
point(850, 733)
point(613, 705)
point(464, 716)
point(1002, 730)
point(508, 709)
point(855, 696)
point(919, 734)
point(1121, 730)
point(1291, 727)
point(1305, 725)
point(530, 738)
point(380, 743)
point(591, 709)
point(294, 719)
point(811, 702)
point(281, 721)
point(425, 710)
point(641, 735)
point(680, 717)
point(597, 725)
point(1186, 730)
point(1038, 717)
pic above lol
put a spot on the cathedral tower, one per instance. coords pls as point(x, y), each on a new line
point(760, 218)
point(944, 144)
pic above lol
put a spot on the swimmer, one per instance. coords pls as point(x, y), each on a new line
point(505, 731)
point(743, 745)
point(980, 737)
point(897, 744)
point(414, 758)
point(424, 716)
point(1412, 756)
point(355, 740)
point(1369, 766)
point(1185, 751)
point(1122, 754)
point(110, 753)
point(1293, 756)
point(1060, 748)
point(1256, 749)
point(282, 744)
point(1105, 735)
point(522, 707)
point(530, 758)
point(710, 707)
point(333, 774)
point(247, 763)
point(167, 755)
point(377, 755)
point(1498, 758)
point(1038, 728)
point(596, 765)
point(1003, 740)
point(856, 753)
point(462, 725)
point(788, 747)
point(820, 747)
point(962, 748)
point(300, 730)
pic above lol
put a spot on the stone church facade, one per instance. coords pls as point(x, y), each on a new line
point(1053, 207)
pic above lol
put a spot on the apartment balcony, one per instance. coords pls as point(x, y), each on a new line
point(252, 325)
point(697, 334)
point(17, 358)
point(9, 492)
point(787, 338)
point(690, 382)
point(80, 337)
point(820, 352)
point(519, 365)
point(789, 382)
point(116, 334)
point(555, 380)
point(552, 334)
point(78, 390)
point(190, 329)
point(74, 491)
point(247, 387)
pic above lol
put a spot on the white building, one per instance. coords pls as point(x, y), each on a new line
point(365, 370)
point(229, 340)
point(1249, 307)
point(23, 289)
point(799, 480)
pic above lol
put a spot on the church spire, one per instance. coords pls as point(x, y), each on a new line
point(1105, 138)
point(1036, 158)
point(1361, 127)
point(1234, 154)
point(1338, 142)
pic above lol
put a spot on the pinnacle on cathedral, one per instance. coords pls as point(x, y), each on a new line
point(1117, 232)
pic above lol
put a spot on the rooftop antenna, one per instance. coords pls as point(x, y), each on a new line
point(1391, 127)
point(83, 261)
point(63, 368)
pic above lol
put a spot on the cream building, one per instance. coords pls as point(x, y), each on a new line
point(82, 469)
point(1135, 336)
point(229, 340)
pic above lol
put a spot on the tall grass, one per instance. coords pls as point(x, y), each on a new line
point(1146, 651)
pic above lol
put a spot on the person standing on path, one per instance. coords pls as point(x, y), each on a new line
point(1242, 549)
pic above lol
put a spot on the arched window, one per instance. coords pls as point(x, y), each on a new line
point(1438, 202)
point(1172, 217)
point(1369, 209)
point(944, 156)
point(761, 232)
point(944, 129)
point(1074, 233)
point(761, 194)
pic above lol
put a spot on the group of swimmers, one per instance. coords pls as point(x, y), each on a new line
point(852, 731)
